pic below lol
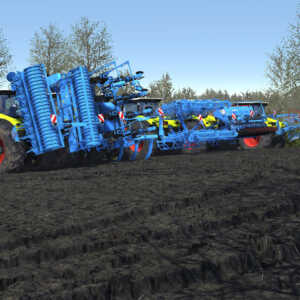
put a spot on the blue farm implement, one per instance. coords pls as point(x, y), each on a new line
point(213, 122)
point(103, 111)
point(80, 111)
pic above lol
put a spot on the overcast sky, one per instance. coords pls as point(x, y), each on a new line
point(220, 44)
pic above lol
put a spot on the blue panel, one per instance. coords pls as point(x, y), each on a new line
point(186, 108)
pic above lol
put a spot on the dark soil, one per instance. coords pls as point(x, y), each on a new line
point(216, 225)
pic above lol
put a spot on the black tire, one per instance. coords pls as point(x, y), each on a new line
point(278, 141)
point(263, 141)
point(12, 153)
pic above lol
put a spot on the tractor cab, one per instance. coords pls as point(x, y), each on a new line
point(141, 105)
point(8, 104)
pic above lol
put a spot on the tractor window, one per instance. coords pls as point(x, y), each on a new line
point(9, 106)
point(258, 109)
point(2, 103)
point(130, 107)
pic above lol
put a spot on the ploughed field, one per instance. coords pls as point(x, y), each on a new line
point(216, 225)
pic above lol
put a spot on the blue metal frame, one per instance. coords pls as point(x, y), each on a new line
point(291, 126)
point(232, 120)
point(76, 109)
point(36, 106)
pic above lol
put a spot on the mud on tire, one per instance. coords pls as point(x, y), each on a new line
point(12, 154)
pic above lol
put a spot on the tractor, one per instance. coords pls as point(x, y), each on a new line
point(12, 154)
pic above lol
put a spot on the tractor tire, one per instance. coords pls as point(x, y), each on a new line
point(12, 154)
point(262, 141)
point(278, 141)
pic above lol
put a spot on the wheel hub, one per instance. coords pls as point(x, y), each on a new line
point(252, 141)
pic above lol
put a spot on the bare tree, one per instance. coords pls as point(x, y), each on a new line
point(91, 44)
point(51, 48)
point(162, 88)
point(218, 94)
point(283, 68)
point(185, 93)
point(5, 56)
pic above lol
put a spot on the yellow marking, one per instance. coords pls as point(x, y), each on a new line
point(13, 121)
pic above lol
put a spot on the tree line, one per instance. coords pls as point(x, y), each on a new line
point(90, 44)
point(277, 99)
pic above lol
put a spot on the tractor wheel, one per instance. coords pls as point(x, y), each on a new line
point(12, 154)
point(278, 141)
point(251, 143)
point(262, 141)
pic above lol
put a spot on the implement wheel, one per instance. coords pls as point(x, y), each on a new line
point(142, 150)
point(12, 154)
point(142, 147)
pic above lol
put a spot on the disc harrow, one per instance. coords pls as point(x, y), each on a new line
point(81, 110)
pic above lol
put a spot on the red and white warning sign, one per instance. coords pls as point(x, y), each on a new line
point(161, 112)
point(251, 113)
point(200, 117)
point(233, 116)
point(101, 118)
point(121, 115)
point(53, 119)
